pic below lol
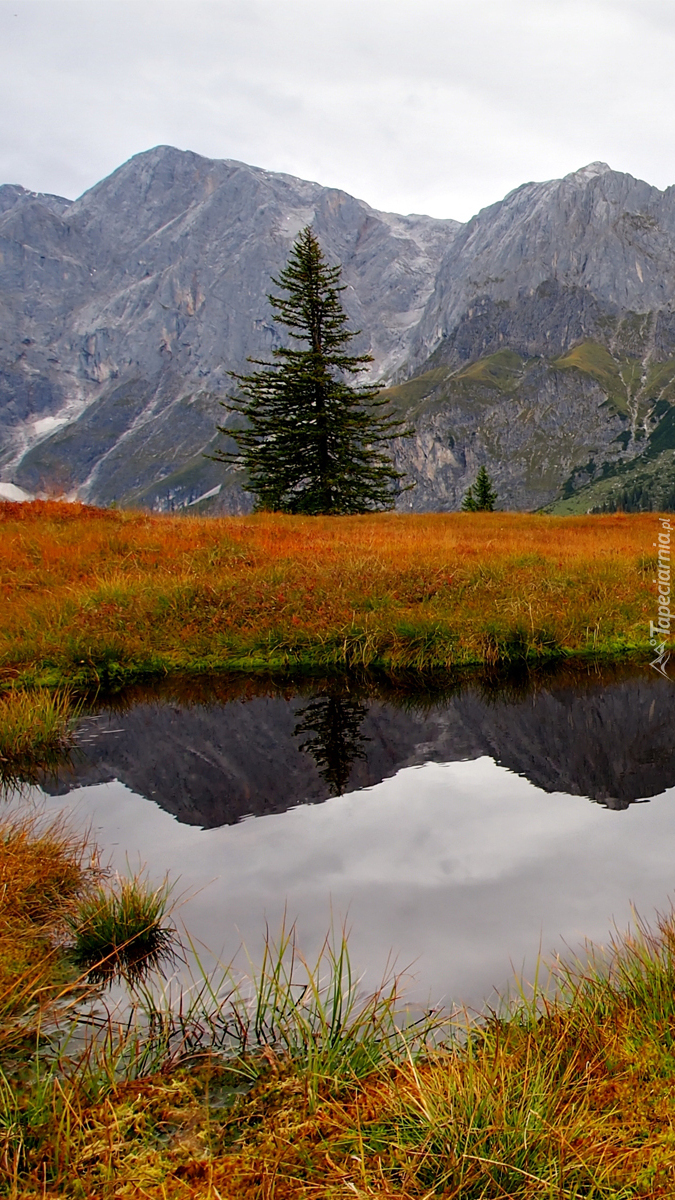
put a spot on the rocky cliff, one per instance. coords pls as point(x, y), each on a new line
point(538, 338)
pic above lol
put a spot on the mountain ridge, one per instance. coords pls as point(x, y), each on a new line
point(123, 311)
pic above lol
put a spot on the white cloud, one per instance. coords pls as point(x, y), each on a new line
point(423, 105)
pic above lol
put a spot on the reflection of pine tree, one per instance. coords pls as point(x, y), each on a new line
point(335, 721)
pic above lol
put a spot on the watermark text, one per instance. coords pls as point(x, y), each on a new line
point(659, 630)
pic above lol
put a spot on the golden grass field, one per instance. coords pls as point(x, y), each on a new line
point(92, 595)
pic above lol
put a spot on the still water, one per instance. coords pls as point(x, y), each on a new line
point(454, 834)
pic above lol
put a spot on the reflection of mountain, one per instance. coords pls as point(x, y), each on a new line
point(213, 764)
point(614, 744)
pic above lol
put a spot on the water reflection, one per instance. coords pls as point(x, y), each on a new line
point(211, 759)
point(31, 770)
point(335, 722)
point(463, 866)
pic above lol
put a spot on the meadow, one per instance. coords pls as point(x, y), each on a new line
point(100, 597)
point(300, 1088)
point(293, 1085)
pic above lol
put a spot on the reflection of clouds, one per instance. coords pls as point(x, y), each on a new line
point(438, 822)
point(462, 868)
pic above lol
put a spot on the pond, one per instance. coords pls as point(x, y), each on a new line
point(456, 834)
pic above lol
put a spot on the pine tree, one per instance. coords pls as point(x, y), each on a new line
point(469, 501)
point(313, 441)
point(480, 496)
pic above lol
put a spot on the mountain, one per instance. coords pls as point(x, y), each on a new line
point(213, 764)
point(537, 338)
point(547, 348)
point(123, 312)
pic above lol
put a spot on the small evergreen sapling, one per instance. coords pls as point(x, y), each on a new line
point(469, 501)
point(480, 496)
point(313, 441)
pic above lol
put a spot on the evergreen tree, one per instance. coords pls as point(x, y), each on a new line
point(313, 441)
point(481, 496)
point(335, 722)
point(469, 501)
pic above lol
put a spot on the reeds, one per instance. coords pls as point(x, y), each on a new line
point(36, 732)
point(313, 1015)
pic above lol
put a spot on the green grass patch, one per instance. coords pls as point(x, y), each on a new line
point(590, 358)
point(120, 931)
point(405, 396)
point(502, 371)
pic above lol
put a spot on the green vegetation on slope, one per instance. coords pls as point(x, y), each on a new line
point(594, 360)
point(643, 484)
point(638, 390)
point(502, 371)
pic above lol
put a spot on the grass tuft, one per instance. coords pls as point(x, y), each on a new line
point(120, 932)
point(36, 732)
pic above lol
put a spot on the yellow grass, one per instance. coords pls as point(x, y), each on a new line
point(93, 595)
point(35, 733)
point(41, 872)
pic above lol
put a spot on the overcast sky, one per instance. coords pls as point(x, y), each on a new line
point(436, 106)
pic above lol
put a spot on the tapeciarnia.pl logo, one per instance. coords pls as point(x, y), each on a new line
point(659, 631)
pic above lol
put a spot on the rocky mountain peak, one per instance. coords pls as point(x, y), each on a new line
point(12, 194)
point(591, 171)
point(537, 338)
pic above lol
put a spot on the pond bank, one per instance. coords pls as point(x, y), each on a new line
point(97, 597)
point(568, 1097)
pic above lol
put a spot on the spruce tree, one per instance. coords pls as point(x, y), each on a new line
point(469, 501)
point(313, 441)
point(481, 496)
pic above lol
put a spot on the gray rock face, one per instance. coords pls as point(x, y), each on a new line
point(597, 230)
point(122, 313)
point(583, 264)
point(531, 439)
